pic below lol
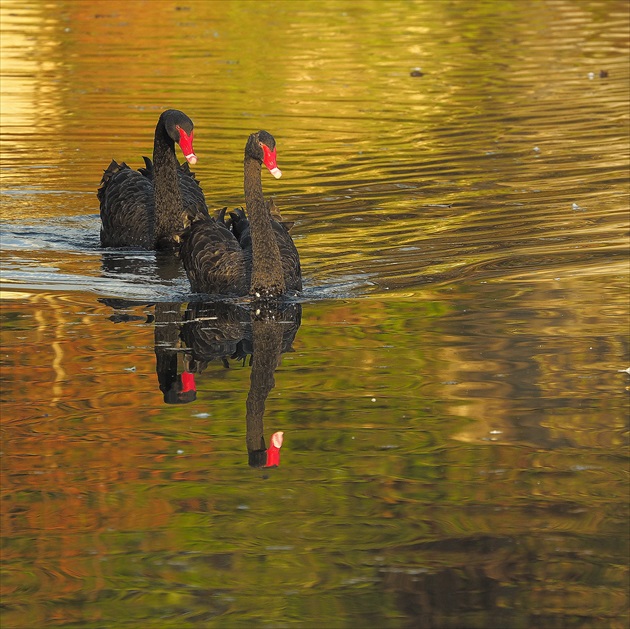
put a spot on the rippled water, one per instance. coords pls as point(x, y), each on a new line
point(452, 386)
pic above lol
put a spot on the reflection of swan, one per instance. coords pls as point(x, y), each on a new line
point(219, 331)
point(267, 344)
point(223, 332)
point(177, 384)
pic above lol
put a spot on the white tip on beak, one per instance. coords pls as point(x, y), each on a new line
point(276, 172)
point(191, 159)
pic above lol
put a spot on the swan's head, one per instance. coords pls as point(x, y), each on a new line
point(262, 146)
point(179, 128)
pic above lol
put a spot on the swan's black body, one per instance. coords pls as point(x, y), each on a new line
point(252, 255)
point(148, 207)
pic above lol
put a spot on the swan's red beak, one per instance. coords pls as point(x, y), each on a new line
point(269, 160)
point(185, 142)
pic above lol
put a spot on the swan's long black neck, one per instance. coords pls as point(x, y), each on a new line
point(267, 276)
point(167, 194)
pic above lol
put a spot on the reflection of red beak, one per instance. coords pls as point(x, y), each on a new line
point(185, 142)
point(188, 382)
point(273, 452)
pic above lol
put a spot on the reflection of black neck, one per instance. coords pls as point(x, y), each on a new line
point(267, 348)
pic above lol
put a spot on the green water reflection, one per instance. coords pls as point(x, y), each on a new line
point(410, 486)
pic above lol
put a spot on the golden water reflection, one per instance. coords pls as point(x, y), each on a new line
point(415, 435)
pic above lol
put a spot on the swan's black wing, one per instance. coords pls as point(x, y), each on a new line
point(126, 207)
point(288, 251)
point(127, 204)
point(289, 256)
point(192, 195)
point(213, 259)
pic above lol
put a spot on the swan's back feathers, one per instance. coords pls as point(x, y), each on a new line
point(127, 204)
point(147, 171)
point(289, 256)
point(126, 207)
point(288, 252)
point(239, 225)
point(192, 193)
point(214, 260)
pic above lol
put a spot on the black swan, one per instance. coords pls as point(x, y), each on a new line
point(252, 255)
point(146, 207)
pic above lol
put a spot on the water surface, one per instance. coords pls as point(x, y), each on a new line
point(452, 385)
